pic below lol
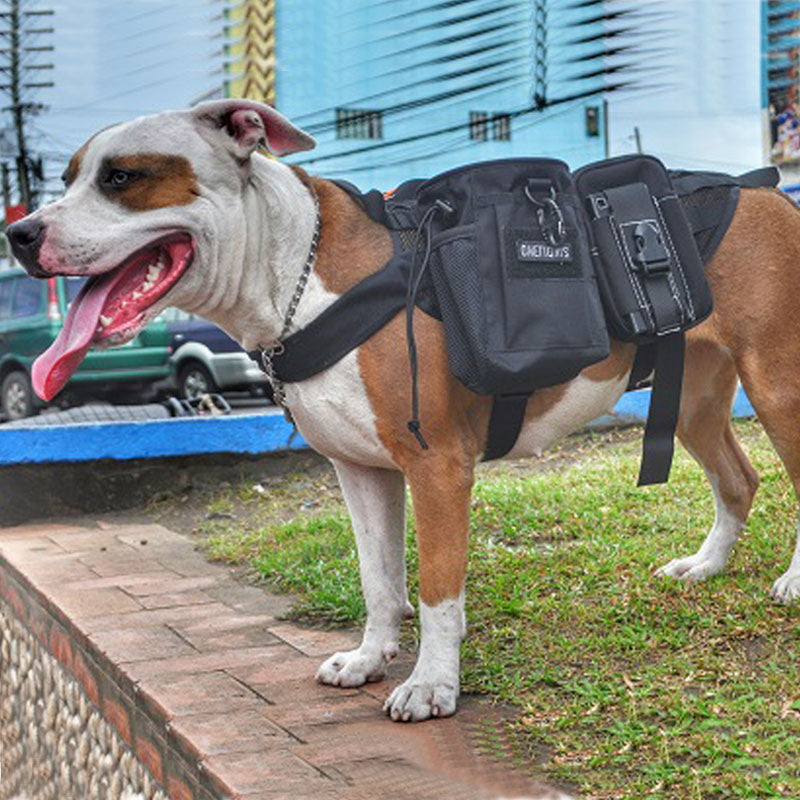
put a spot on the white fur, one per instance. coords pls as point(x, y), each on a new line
point(332, 409)
point(376, 499)
point(433, 687)
point(787, 588)
point(715, 551)
point(583, 401)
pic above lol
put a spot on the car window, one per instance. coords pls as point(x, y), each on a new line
point(5, 299)
point(28, 297)
point(71, 288)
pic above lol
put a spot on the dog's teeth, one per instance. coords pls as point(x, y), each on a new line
point(136, 295)
point(105, 321)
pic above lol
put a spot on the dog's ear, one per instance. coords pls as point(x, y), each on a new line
point(241, 125)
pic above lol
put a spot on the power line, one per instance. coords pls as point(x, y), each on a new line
point(23, 78)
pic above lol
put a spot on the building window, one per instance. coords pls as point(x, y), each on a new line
point(478, 126)
point(359, 123)
point(501, 127)
point(592, 121)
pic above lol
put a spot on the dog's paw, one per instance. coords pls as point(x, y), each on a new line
point(356, 667)
point(415, 700)
point(693, 569)
point(786, 589)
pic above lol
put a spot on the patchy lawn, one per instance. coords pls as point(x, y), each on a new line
point(628, 686)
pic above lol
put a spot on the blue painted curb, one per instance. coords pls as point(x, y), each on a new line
point(255, 434)
point(633, 407)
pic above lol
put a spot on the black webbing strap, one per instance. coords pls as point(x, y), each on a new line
point(343, 325)
point(662, 419)
point(759, 178)
point(505, 423)
point(372, 202)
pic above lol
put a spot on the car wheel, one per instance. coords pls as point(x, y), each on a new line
point(16, 396)
point(194, 380)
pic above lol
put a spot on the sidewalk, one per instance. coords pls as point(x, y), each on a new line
point(214, 693)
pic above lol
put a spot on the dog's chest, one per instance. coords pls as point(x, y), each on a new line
point(334, 415)
point(332, 409)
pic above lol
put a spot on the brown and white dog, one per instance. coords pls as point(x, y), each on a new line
point(177, 209)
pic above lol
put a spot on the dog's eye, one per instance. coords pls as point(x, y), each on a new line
point(119, 177)
point(116, 178)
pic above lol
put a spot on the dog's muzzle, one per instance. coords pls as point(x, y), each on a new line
point(26, 237)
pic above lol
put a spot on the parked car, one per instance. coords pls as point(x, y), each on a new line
point(31, 315)
point(205, 359)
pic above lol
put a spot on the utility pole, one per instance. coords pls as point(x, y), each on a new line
point(6, 184)
point(638, 137)
point(18, 34)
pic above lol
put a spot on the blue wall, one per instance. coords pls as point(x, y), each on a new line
point(365, 54)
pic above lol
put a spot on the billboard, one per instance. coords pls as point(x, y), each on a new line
point(780, 54)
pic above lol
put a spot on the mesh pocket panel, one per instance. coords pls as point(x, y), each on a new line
point(458, 288)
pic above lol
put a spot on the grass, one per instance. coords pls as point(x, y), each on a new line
point(628, 686)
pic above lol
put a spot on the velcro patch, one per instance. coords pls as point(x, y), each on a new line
point(528, 255)
point(542, 251)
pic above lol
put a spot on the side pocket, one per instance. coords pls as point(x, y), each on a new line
point(456, 278)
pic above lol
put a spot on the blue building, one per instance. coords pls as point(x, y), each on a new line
point(408, 88)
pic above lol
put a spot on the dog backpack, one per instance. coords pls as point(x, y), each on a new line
point(529, 268)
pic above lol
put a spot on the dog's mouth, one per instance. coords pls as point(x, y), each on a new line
point(111, 308)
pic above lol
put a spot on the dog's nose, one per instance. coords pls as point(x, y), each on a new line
point(26, 237)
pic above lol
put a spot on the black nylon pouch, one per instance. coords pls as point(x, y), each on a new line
point(513, 275)
point(651, 276)
point(652, 280)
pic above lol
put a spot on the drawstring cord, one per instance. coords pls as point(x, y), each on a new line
point(414, 282)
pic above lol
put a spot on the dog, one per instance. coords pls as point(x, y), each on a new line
point(179, 209)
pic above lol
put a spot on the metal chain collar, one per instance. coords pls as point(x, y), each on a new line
point(267, 354)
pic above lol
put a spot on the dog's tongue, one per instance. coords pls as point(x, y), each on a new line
point(53, 367)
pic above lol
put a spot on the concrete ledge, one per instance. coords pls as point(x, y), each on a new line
point(253, 433)
point(37, 491)
point(250, 434)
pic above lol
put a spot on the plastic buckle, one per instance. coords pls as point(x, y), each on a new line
point(649, 252)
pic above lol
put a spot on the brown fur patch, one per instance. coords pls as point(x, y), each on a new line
point(161, 181)
point(74, 166)
point(351, 245)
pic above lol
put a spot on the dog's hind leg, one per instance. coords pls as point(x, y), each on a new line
point(440, 489)
point(376, 501)
point(773, 386)
point(705, 431)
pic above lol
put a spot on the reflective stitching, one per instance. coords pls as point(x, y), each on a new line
point(692, 314)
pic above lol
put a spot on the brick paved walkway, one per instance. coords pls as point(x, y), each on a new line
point(214, 692)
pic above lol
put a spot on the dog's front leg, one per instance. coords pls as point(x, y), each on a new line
point(440, 490)
point(376, 500)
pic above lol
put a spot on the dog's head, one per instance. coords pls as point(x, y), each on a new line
point(148, 203)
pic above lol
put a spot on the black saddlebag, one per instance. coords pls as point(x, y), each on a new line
point(512, 269)
point(652, 278)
